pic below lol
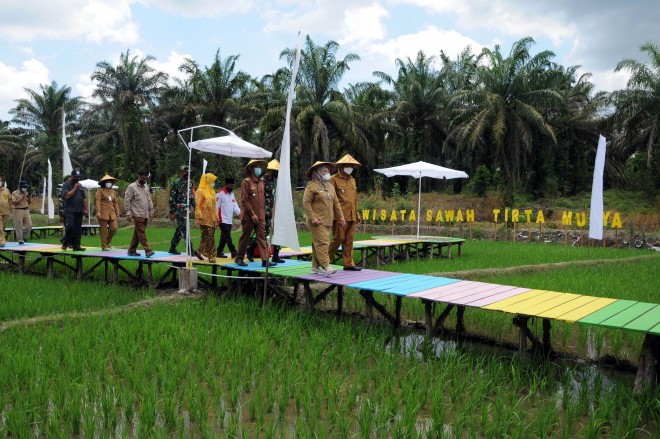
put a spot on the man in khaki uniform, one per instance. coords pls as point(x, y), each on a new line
point(346, 190)
point(20, 199)
point(253, 212)
point(5, 210)
point(321, 209)
point(139, 209)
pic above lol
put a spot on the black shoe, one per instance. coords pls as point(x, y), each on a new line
point(233, 254)
point(198, 255)
point(250, 258)
point(79, 249)
point(174, 251)
point(222, 255)
point(240, 262)
point(278, 259)
point(354, 268)
point(150, 253)
point(268, 264)
point(132, 253)
point(64, 247)
point(21, 243)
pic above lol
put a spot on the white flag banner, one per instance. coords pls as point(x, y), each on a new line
point(596, 210)
point(204, 163)
point(43, 197)
point(284, 219)
point(66, 158)
point(51, 206)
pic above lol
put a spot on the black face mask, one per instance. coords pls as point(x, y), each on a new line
point(141, 182)
point(229, 189)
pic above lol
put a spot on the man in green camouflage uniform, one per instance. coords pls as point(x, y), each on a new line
point(178, 200)
point(60, 206)
point(270, 181)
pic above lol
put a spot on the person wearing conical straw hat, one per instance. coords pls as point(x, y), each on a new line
point(346, 190)
point(206, 217)
point(253, 213)
point(107, 210)
point(321, 209)
point(270, 182)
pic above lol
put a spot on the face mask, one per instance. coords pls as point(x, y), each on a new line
point(257, 171)
point(229, 189)
point(326, 177)
point(348, 170)
point(212, 184)
point(141, 182)
point(108, 185)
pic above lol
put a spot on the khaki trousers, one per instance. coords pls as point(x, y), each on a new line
point(343, 236)
point(22, 224)
point(108, 228)
point(4, 220)
point(243, 242)
point(320, 244)
point(139, 235)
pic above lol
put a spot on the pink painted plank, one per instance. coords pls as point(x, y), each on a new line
point(497, 297)
point(462, 287)
point(463, 294)
point(349, 277)
point(467, 300)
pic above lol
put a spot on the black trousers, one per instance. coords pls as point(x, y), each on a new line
point(72, 229)
point(225, 239)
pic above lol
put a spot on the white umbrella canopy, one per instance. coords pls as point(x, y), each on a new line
point(89, 184)
point(419, 170)
point(230, 145)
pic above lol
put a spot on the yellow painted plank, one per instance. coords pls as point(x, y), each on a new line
point(505, 303)
point(552, 302)
point(583, 311)
point(564, 308)
point(522, 307)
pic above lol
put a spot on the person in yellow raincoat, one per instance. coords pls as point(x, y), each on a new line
point(206, 216)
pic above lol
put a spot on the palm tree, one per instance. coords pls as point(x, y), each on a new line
point(129, 91)
point(11, 151)
point(41, 114)
point(505, 111)
point(322, 114)
point(638, 106)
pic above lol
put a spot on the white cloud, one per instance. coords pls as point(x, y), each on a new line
point(608, 80)
point(31, 74)
point(171, 65)
point(203, 8)
point(364, 24)
point(93, 20)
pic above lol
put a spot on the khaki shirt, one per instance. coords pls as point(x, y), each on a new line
point(5, 205)
point(107, 207)
point(16, 195)
point(137, 201)
point(253, 201)
point(321, 204)
point(346, 190)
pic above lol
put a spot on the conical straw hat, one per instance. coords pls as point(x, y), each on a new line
point(274, 165)
point(316, 165)
point(253, 163)
point(348, 160)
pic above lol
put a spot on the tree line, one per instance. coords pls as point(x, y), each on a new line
point(515, 122)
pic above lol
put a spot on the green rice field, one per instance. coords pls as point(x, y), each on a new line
point(223, 366)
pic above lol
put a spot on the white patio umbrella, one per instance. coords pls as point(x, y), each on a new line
point(89, 184)
point(230, 145)
point(419, 170)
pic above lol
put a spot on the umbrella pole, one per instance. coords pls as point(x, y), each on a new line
point(89, 208)
point(419, 203)
point(188, 247)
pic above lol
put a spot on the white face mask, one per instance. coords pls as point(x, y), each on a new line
point(108, 185)
point(348, 170)
point(326, 177)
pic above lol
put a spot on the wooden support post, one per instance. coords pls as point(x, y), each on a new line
point(150, 276)
point(449, 251)
point(308, 295)
point(521, 322)
point(49, 267)
point(547, 342)
point(460, 324)
point(79, 268)
point(214, 272)
point(340, 299)
point(460, 245)
point(115, 271)
point(188, 280)
point(368, 301)
point(21, 263)
point(648, 371)
point(397, 312)
point(437, 328)
point(428, 313)
point(364, 257)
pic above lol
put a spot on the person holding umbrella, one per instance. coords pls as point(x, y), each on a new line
point(107, 211)
point(253, 213)
point(321, 208)
point(346, 191)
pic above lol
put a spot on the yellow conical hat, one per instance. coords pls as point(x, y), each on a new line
point(274, 165)
point(348, 160)
point(107, 177)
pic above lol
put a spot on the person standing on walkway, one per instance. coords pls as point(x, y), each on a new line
point(139, 209)
point(206, 217)
point(270, 185)
point(178, 207)
point(20, 199)
point(253, 214)
point(5, 209)
point(321, 209)
point(228, 208)
point(75, 208)
point(346, 190)
point(107, 211)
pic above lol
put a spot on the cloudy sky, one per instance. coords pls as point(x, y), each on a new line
point(62, 40)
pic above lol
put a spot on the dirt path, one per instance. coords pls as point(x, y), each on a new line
point(538, 268)
point(163, 298)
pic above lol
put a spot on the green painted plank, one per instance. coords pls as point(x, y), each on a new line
point(626, 316)
point(646, 321)
point(655, 329)
point(607, 312)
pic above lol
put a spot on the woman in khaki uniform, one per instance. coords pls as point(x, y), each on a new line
point(321, 208)
point(206, 216)
point(107, 211)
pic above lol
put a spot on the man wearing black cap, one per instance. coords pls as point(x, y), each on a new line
point(5, 210)
point(139, 209)
point(20, 199)
point(74, 209)
point(227, 209)
point(178, 202)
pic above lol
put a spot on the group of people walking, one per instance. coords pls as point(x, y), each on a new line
point(330, 203)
